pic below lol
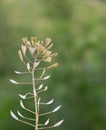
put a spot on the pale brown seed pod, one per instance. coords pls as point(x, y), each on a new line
point(20, 55)
point(48, 59)
point(54, 54)
point(40, 48)
point(47, 41)
point(26, 42)
point(33, 40)
point(23, 49)
point(52, 66)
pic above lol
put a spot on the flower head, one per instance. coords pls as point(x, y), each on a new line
point(38, 49)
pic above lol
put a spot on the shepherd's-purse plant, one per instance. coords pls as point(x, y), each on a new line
point(33, 54)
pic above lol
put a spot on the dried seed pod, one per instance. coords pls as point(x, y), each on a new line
point(40, 48)
point(20, 55)
point(23, 49)
point(31, 50)
point(54, 54)
point(47, 54)
point(52, 66)
point(49, 47)
point(33, 40)
point(58, 123)
point(26, 42)
point(47, 41)
point(48, 59)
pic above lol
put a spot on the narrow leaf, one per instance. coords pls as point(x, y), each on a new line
point(20, 114)
point(13, 115)
point(56, 109)
point(13, 81)
point(47, 77)
point(28, 66)
point(21, 104)
point(22, 96)
point(58, 123)
point(47, 41)
point(46, 88)
point(50, 102)
point(17, 72)
point(40, 87)
point(27, 95)
point(47, 122)
point(55, 125)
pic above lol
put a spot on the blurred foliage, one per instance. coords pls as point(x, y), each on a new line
point(78, 30)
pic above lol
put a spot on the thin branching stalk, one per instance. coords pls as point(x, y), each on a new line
point(40, 52)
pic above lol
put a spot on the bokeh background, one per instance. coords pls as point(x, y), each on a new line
point(78, 30)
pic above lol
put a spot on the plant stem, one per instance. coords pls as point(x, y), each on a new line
point(35, 100)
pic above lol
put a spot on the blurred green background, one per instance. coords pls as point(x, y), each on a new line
point(78, 30)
